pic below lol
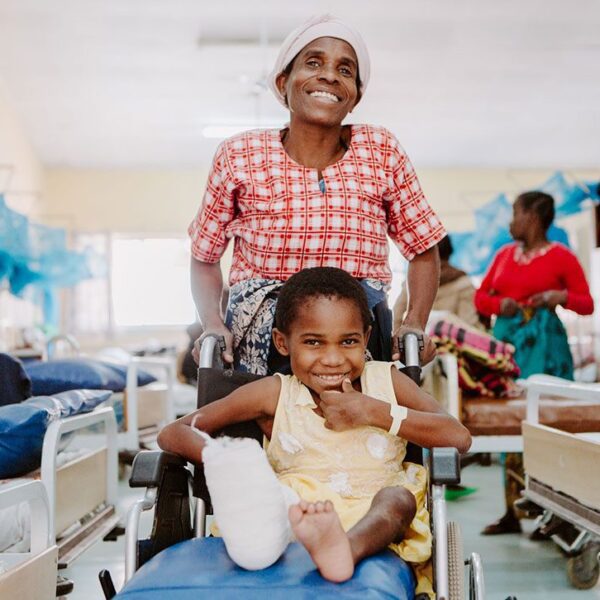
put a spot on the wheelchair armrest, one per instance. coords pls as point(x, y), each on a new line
point(148, 465)
point(444, 466)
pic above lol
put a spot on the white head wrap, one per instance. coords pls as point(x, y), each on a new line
point(317, 27)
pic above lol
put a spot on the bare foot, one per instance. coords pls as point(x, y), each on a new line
point(317, 527)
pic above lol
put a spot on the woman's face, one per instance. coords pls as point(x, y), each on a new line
point(523, 221)
point(322, 85)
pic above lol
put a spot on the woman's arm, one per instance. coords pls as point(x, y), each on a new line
point(209, 239)
point(575, 293)
point(422, 283)
point(486, 300)
point(207, 291)
point(256, 400)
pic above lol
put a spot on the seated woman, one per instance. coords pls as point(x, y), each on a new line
point(338, 429)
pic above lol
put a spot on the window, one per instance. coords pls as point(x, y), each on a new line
point(142, 282)
point(149, 279)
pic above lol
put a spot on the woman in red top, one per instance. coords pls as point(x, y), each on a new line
point(525, 284)
point(523, 287)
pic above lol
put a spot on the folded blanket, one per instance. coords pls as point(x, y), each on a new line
point(486, 366)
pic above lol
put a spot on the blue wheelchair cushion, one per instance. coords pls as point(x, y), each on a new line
point(54, 376)
point(201, 568)
point(23, 425)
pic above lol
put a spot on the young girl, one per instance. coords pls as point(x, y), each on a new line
point(337, 430)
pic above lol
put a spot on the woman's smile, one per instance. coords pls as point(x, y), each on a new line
point(325, 96)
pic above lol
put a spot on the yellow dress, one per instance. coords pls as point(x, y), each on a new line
point(349, 467)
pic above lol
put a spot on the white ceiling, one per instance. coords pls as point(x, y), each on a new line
point(132, 83)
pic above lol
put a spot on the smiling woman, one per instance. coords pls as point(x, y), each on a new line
point(317, 193)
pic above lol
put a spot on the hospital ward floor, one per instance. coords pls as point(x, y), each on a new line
point(513, 564)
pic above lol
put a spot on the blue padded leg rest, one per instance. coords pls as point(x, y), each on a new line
point(200, 568)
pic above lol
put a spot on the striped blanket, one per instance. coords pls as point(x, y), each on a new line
point(486, 366)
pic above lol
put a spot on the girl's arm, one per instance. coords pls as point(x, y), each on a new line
point(427, 423)
point(256, 400)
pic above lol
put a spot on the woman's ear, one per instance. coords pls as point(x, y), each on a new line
point(280, 342)
point(281, 83)
point(368, 335)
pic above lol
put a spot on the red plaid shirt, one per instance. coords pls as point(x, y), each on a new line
point(282, 222)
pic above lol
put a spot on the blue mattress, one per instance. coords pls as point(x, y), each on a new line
point(200, 568)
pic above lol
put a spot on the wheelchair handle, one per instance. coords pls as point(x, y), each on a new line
point(211, 350)
point(409, 345)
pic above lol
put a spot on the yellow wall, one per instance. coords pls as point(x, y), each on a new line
point(123, 201)
point(164, 201)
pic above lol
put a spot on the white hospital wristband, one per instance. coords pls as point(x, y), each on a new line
point(398, 414)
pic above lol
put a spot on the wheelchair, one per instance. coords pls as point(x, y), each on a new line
point(178, 562)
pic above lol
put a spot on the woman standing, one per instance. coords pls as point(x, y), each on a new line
point(317, 193)
point(526, 282)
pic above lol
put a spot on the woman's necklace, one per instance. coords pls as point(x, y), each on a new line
point(525, 256)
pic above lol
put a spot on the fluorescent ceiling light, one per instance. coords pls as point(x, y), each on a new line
point(225, 131)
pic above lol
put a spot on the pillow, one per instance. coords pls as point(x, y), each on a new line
point(54, 376)
point(22, 429)
point(22, 426)
point(143, 377)
point(16, 385)
point(73, 402)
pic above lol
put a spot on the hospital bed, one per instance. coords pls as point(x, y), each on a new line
point(198, 565)
point(30, 575)
point(146, 409)
point(563, 479)
point(495, 423)
point(81, 493)
point(142, 409)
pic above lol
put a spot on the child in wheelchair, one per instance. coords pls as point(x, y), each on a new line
point(337, 430)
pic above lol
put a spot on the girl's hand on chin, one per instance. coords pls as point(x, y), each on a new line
point(344, 410)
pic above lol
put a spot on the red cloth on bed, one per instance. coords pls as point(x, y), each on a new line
point(555, 268)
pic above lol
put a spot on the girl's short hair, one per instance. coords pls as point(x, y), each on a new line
point(541, 203)
point(319, 282)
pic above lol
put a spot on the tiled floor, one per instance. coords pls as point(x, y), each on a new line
point(513, 565)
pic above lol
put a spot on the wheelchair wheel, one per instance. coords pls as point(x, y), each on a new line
point(456, 563)
point(583, 570)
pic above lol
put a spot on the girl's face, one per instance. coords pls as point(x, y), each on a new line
point(321, 87)
point(326, 343)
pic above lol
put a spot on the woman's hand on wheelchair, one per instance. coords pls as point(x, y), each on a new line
point(218, 331)
point(426, 354)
